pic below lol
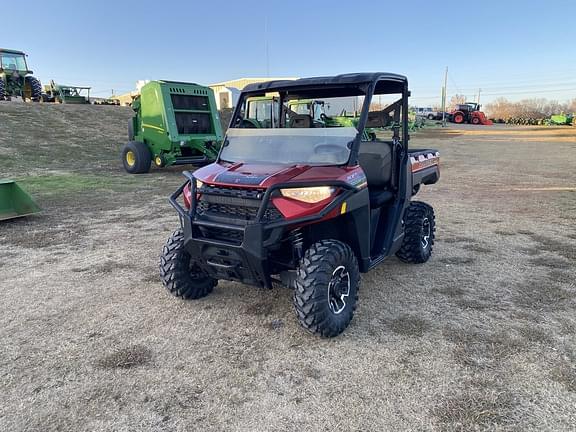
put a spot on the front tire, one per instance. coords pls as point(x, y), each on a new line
point(136, 157)
point(179, 275)
point(419, 229)
point(327, 285)
point(458, 118)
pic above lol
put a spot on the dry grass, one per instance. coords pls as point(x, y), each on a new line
point(479, 338)
point(475, 409)
point(126, 358)
point(407, 325)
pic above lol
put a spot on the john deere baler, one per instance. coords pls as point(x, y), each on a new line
point(176, 123)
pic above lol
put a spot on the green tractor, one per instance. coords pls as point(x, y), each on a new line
point(176, 123)
point(16, 78)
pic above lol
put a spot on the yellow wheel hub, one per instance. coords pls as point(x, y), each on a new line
point(158, 161)
point(130, 158)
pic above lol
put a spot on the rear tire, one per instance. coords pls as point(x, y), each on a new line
point(458, 118)
point(33, 88)
point(136, 157)
point(327, 283)
point(178, 273)
point(2, 89)
point(419, 229)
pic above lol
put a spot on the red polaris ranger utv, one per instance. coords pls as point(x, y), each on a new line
point(309, 205)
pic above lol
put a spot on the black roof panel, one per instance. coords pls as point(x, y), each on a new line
point(351, 78)
point(11, 51)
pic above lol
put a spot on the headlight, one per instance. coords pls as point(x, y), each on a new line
point(309, 194)
point(199, 184)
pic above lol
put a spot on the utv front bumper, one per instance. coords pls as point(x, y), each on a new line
point(240, 250)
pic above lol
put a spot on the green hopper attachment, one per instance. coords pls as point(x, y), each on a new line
point(14, 201)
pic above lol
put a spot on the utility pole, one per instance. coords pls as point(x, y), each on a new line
point(444, 98)
point(267, 53)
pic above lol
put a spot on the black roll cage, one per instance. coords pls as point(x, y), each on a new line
point(366, 88)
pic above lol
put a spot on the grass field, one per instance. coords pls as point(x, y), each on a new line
point(482, 337)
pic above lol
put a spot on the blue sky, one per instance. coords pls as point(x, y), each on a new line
point(516, 49)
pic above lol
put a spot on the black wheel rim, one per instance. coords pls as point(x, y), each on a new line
point(195, 271)
point(426, 233)
point(338, 290)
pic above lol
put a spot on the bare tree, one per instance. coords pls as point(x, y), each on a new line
point(528, 108)
point(457, 99)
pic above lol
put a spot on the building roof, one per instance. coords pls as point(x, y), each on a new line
point(240, 83)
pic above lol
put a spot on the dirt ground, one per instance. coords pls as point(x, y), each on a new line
point(482, 337)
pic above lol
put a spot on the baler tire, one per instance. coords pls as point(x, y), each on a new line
point(316, 305)
point(176, 271)
point(142, 158)
point(35, 88)
point(419, 229)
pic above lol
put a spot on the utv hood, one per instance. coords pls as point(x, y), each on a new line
point(257, 175)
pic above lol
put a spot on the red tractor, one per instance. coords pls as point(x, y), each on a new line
point(469, 113)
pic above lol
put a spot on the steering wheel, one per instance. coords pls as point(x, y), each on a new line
point(249, 124)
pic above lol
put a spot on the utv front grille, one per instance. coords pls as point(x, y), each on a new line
point(254, 194)
point(193, 123)
point(232, 203)
point(236, 212)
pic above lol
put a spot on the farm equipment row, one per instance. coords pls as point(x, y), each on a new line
point(16, 80)
point(554, 120)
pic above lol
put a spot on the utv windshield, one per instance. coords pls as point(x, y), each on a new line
point(10, 61)
point(294, 129)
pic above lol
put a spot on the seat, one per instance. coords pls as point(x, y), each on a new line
point(375, 158)
point(300, 121)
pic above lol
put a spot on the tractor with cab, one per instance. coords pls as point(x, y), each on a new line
point(469, 112)
point(305, 204)
point(16, 78)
